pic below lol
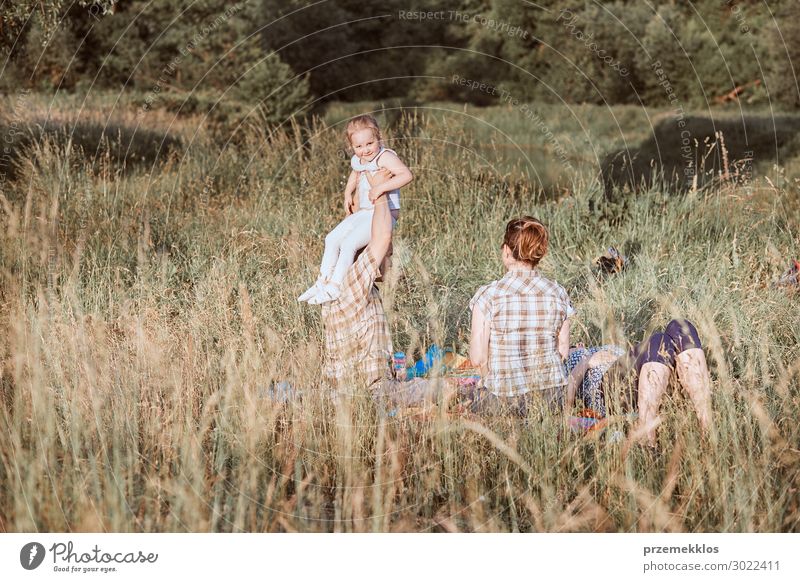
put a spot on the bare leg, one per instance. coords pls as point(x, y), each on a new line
point(653, 381)
point(695, 379)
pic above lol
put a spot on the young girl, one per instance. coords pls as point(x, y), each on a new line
point(353, 233)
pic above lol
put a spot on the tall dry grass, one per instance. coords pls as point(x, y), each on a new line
point(144, 315)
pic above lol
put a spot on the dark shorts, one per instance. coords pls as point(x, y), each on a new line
point(661, 347)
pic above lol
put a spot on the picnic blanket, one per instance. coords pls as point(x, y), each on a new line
point(457, 370)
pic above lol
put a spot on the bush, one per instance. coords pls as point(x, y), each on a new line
point(783, 64)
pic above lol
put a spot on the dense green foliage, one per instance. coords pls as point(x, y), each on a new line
point(183, 56)
point(575, 51)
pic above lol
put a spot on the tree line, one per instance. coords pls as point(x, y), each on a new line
point(292, 54)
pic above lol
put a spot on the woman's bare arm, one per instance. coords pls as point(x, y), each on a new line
point(479, 342)
point(563, 339)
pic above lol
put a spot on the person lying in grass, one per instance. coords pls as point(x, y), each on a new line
point(639, 378)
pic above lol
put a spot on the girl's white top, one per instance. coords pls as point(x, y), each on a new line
point(363, 186)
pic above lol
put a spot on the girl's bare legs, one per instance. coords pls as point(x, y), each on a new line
point(695, 379)
point(653, 381)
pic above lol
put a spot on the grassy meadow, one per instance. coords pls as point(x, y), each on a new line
point(146, 307)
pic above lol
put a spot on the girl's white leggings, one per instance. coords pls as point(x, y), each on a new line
point(342, 243)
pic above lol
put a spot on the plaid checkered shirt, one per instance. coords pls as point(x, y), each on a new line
point(525, 312)
point(359, 346)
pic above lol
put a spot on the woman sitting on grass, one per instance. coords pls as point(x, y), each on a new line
point(520, 330)
point(640, 376)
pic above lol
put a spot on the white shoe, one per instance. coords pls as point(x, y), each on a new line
point(326, 293)
point(311, 291)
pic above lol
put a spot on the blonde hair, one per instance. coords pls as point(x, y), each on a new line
point(360, 122)
point(527, 238)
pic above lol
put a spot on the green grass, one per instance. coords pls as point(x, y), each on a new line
point(143, 314)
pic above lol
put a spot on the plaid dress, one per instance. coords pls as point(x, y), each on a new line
point(525, 312)
point(357, 338)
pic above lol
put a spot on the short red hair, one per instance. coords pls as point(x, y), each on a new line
point(527, 238)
